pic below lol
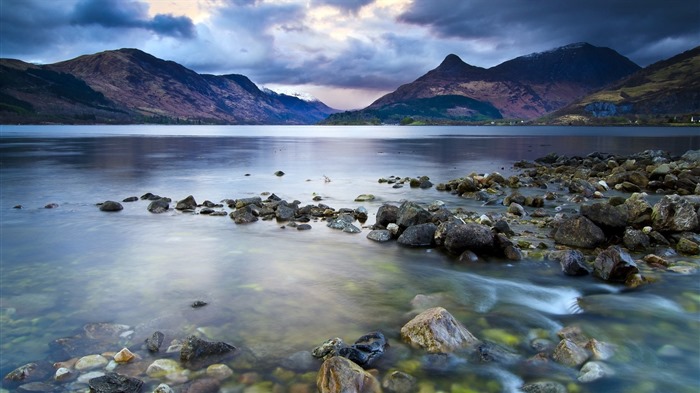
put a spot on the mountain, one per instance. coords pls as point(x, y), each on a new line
point(661, 92)
point(523, 88)
point(131, 86)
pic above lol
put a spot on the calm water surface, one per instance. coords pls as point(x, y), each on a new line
point(278, 291)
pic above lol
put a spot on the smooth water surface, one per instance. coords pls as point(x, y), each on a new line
point(277, 290)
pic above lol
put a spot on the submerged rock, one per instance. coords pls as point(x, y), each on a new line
point(340, 375)
point(437, 331)
point(569, 353)
point(399, 382)
point(195, 350)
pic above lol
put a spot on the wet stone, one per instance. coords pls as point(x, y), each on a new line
point(154, 342)
point(379, 235)
point(111, 206)
point(115, 383)
point(195, 350)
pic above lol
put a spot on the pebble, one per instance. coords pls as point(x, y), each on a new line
point(123, 356)
point(91, 362)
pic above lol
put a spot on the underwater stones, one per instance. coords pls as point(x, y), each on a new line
point(196, 350)
point(579, 231)
point(63, 374)
point(111, 206)
point(399, 382)
point(154, 342)
point(420, 235)
point(27, 373)
point(158, 206)
point(340, 375)
point(614, 264)
point(674, 213)
point(115, 383)
point(569, 353)
point(91, 362)
point(188, 203)
point(202, 385)
point(593, 371)
point(379, 235)
point(437, 331)
point(162, 367)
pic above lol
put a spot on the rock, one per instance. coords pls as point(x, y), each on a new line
point(593, 371)
point(130, 199)
point(635, 240)
point(600, 350)
point(501, 226)
point(329, 348)
point(303, 227)
point(516, 209)
point(379, 235)
point(410, 214)
point(244, 215)
point(154, 342)
point(674, 213)
point(340, 375)
point(243, 202)
point(579, 231)
point(386, 215)
point(468, 256)
point(489, 352)
point(301, 361)
point(544, 387)
point(198, 304)
point(285, 212)
point(51, 206)
point(507, 248)
point(195, 350)
point(605, 215)
point(692, 156)
point(202, 385)
point(366, 350)
point(90, 362)
point(63, 374)
point(111, 206)
point(123, 356)
point(163, 388)
point(341, 222)
point(420, 235)
point(115, 383)
point(364, 198)
point(279, 173)
point(399, 382)
point(655, 260)
point(573, 263)
point(162, 367)
point(158, 206)
point(29, 372)
point(35, 387)
point(685, 246)
point(219, 371)
point(475, 237)
point(569, 353)
point(361, 214)
point(614, 264)
point(187, 204)
point(436, 331)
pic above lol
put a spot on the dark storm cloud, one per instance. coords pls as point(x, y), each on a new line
point(27, 26)
point(630, 27)
point(130, 14)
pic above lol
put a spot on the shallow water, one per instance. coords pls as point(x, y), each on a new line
point(278, 291)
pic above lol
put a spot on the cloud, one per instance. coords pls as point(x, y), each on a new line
point(130, 14)
point(625, 26)
point(347, 5)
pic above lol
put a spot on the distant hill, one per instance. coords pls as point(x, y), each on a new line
point(131, 86)
point(666, 91)
point(523, 88)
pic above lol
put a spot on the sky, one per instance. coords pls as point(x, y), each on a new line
point(347, 53)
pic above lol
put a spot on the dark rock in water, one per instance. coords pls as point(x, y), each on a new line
point(150, 197)
point(285, 212)
point(339, 374)
point(158, 206)
point(490, 352)
point(303, 227)
point(379, 235)
point(473, 237)
point(187, 204)
point(614, 264)
point(244, 215)
point(635, 240)
point(605, 215)
point(572, 263)
point(36, 387)
point(115, 383)
point(399, 382)
point(579, 231)
point(279, 173)
point(420, 235)
point(410, 213)
point(29, 372)
point(51, 206)
point(506, 246)
point(687, 247)
point(154, 342)
point(329, 348)
point(196, 351)
point(386, 215)
point(468, 256)
point(130, 199)
point(243, 202)
point(361, 214)
point(544, 387)
point(202, 385)
point(111, 206)
point(638, 210)
point(198, 304)
point(674, 213)
point(501, 226)
point(17, 206)
point(366, 350)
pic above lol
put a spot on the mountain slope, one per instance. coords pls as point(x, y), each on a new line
point(139, 87)
point(669, 88)
point(523, 88)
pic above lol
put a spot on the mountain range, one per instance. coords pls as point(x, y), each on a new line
point(131, 86)
point(574, 84)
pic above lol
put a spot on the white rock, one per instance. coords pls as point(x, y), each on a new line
point(604, 184)
point(63, 374)
point(91, 362)
point(163, 388)
point(85, 378)
point(162, 367)
point(593, 371)
point(219, 371)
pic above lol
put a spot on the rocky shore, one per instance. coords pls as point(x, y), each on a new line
point(600, 217)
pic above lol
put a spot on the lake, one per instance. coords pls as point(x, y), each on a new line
point(276, 291)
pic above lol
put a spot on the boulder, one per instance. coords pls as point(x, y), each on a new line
point(285, 211)
point(243, 202)
point(614, 264)
point(410, 213)
point(507, 248)
point(340, 375)
point(111, 206)
point(115, 383)
point(688, 247)
point(674, 213)
point(387, 214)
point(244, 215)
point(437, 331)
point(461, 237)
point(635, 240)
point(572, 263)
point(379, 235)
point(420, 235)
point(158, 206)
point(579, 231)
point(569, 353)
point(195, 350)
point(186, 204)
point(123, 356)
point(605, 215)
